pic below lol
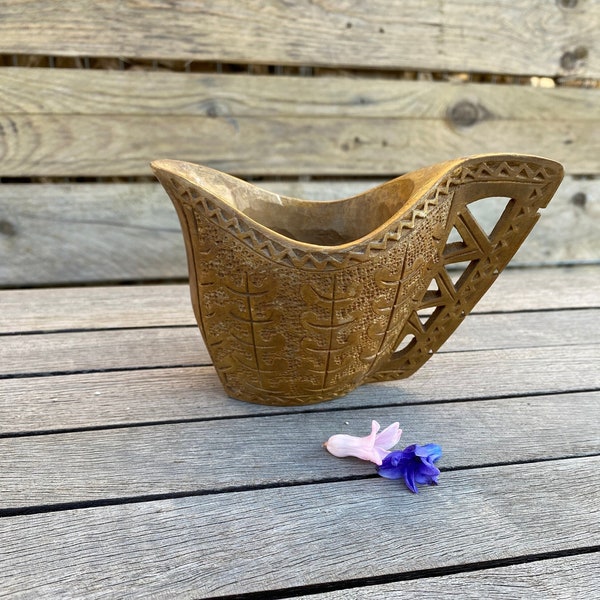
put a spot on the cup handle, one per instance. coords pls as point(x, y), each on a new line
point(528, 183)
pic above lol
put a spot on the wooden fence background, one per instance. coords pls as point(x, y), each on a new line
point(314, 99)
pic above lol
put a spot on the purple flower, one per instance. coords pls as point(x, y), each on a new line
point(414, 464)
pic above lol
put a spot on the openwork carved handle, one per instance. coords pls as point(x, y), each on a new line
point(528, 186)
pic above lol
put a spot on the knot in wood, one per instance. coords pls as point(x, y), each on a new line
point(570, 61)
point(214, 109)
point(464, 114)
point(567, 3)
point(579, 199)
point(7, 228)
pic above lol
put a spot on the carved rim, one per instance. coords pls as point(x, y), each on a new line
point(283, 250)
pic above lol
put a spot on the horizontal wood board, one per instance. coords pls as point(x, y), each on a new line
point(539, 38)
point(559, 579)
point(73, 233)
point(113, 307)
point(60, 91)
point(115, 398)
point(82, 351)
point(151, 482)
point(168, 459)
point(530, 344)
point(257, 540)
point(78, 122)
point(100, 145)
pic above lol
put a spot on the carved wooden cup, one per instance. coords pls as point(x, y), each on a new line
point(300, 302)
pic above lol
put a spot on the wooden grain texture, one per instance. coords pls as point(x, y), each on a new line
point(54, 122)
point(120, 306)
point(268, 539)
point(128, 397)
point(61, 233)
point(562, 578)
point(109, 92)
point(101, 350)
point(538, 38)
point(183, 346)
point(68, 233)
point(168, 459)
point(52, 309)
point(97, 145)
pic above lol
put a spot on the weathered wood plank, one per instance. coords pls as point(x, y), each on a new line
point(183, 346)
point(309, 534)
point(130, 306)
point(51, 309)
point(120, 398)
point(100, 350)
point(61, 233)
point(109, 92)
point(113, 232)
point(545, 38)
point(95, 145)
point(562, 578)
point(170, 459)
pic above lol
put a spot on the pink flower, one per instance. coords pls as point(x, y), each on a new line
point(374, 447)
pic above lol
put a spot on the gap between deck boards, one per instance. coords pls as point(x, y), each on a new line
point(275, 412)
point(322, 591)
point(495, 510)
point(86, 504)
point(126, 349)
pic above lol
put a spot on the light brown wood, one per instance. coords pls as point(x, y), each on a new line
point(558, 578)
point(130, 462)
point(268, 539)
point(538, 38)
point(57, 233)
point(146, 396)
point(93, 145)
point(51, 309)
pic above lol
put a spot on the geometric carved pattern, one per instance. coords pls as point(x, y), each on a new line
point(530, 187)
point(226, 218)
point(291, 322)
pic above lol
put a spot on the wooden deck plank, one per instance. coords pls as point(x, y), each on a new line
point(77, 308)
point(416, 35)
point(93, 350)
point(93, 145)
point(173, 458)
point(59, 233)
point(560, 579)
point(146, 396)
point(301, 535)
point(183, 346)
point(51, 309)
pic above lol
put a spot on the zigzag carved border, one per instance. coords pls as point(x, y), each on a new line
point(322, 260)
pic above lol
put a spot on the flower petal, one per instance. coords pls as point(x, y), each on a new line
point(431, 451)
point(389, 437)
point(414, 464)
point(342, 445)
point(392, 466)
point(409, 479)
